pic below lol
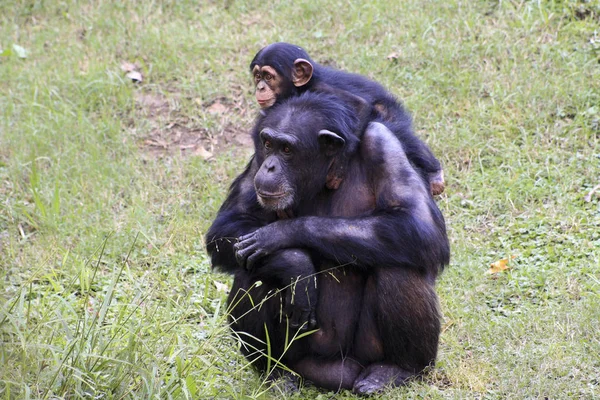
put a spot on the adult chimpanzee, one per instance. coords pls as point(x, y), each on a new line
point(282, 70)
point(377, 242)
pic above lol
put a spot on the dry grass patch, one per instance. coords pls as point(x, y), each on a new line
point(171, 132)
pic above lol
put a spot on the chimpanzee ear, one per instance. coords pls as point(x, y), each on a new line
point(302, 72)
point(330, 142)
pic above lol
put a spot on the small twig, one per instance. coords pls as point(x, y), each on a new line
point(588, 197)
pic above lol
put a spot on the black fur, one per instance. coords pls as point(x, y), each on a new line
point(385, 106)
point(376, 246)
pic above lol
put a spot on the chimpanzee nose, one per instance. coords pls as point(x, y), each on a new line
point(270, 164)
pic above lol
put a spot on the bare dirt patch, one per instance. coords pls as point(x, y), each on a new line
point(173, 132)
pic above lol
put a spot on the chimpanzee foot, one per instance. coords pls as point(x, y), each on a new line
point(284, 382)
point(301, 304)
point(300, 319)
point(436, 183)
point(377, 377)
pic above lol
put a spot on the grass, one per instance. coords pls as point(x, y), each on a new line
point(105, 288)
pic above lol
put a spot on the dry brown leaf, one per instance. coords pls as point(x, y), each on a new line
point(588, 197)
point(202, 152)
point(499, 265)
point(252, 19)
point(132, 71)
point(217, 108)
point(128, 67)
point(84, 65)
point(393, 56)
point(135, 76)
point(156, 143)
point(221, 287)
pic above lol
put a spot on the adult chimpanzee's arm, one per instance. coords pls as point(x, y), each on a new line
point(289, 268)
point(387, 238)
point(239, 215)
point(406, 228)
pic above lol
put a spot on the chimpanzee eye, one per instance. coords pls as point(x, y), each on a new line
point(268, 77)
point(257, 77)
point(287, 150)
point(268, 145)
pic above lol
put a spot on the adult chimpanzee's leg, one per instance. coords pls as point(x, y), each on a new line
point(252, 307)
point(292, 270)
point(377, 376)
point(260, 306)
point(408, 326)
point(329, 374)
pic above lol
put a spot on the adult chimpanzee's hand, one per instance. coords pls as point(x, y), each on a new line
point(300, 305)
point(301, 293)
point(260, 243)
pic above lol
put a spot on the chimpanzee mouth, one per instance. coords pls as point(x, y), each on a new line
point(264, 103)
point(269, 196)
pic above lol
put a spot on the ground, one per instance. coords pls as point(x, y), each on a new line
point(109, 180)
point(173, 132)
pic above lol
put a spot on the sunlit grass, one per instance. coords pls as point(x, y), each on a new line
point(105, 287)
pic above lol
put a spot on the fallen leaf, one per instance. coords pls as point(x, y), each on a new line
point(135, 76)
point(252, 20)
point(499, 265)
point(221, 287)
point(588, 197)
point(243, 140)
point(217, 108)
point(393, 56)
point(156, 143)
point(202, 152)
point(21, 51)
point(84, 65)
point(128, 67)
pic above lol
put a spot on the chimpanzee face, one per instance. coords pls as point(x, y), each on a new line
point(269, 85)
point(276, 182)
point(296, 159)
point(277, 71)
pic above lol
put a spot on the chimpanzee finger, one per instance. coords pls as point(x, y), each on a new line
point(239, 254)
point(240, 245)
point(312, 319)
point(240, 258)
point(298, 320)
point(246, 237)
point(253, 258)
point(242, 253)
point(305, 321)
point(242, 249)
point(293, 321)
